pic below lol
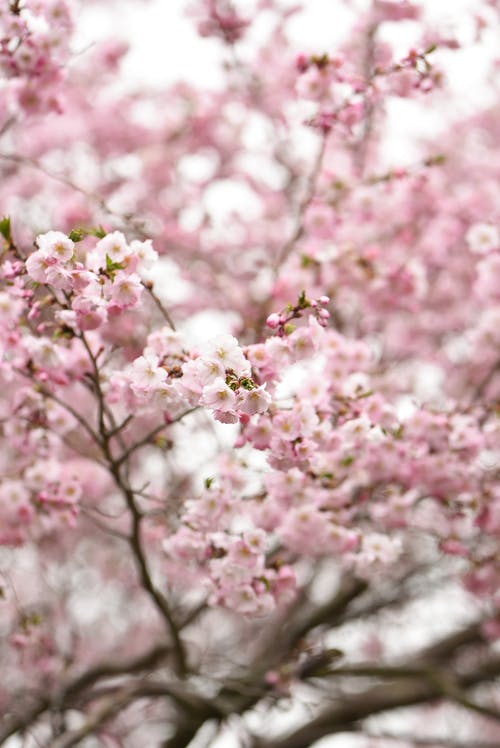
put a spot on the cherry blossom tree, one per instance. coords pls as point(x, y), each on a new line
point(250, 368)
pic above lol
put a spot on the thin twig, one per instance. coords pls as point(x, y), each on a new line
point(147, 439)
point(168, 319)
point(310, 191)
point(92, 196)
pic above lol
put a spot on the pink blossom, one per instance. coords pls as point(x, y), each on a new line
point(126, 290)
point(245, 600)
point(114, 246)
point(486, 284)
point(253, 401)
point(91, 312)
point(314, 83)
point(37, 265)
point(273, 321)
point(396, 10)
point(483, 238)
point(57, 244)
point(146, 374)
point(219, 396)
point(145, 254)
point(225, 350)
point(378, 549)
point(287, 425)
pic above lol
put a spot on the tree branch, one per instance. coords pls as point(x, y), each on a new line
point(345, 713)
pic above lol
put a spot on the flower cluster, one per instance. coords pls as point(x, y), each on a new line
point(104, 283)
point(233, 567)
point(218, 378)
point(34, 49)
point(42, 498)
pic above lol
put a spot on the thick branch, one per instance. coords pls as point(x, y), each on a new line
point(129, 666)
point(341, 715)
point(110, 704)
point(74, 688)
point(144, 573)
point(428, 742)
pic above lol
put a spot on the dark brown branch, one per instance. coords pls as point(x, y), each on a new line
point(437, 742)
point(197, 710)
point(114, 466)
point(144, 573)
point(74, 688)
point(146, 661)
point(343, 714)
point(108, 709)
point(284, 638)
point(350, 588)
point(18, 723)
point(441, 650)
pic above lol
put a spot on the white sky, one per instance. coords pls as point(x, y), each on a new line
point(166, 48)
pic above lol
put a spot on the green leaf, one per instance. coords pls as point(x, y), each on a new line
point(303, 300)
point(320, 61)
point(111, 266)
point(208, 482)
point(368, 393)
point(76, 235)
point(64, 332)
point(99, 232)
point(436, 160)
point(247, 384)
point(265, 582)
point(162, 442)
point(306, 261)
point(5, 229)
point(333, 653)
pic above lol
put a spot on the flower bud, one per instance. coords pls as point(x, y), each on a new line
point(273, 321)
